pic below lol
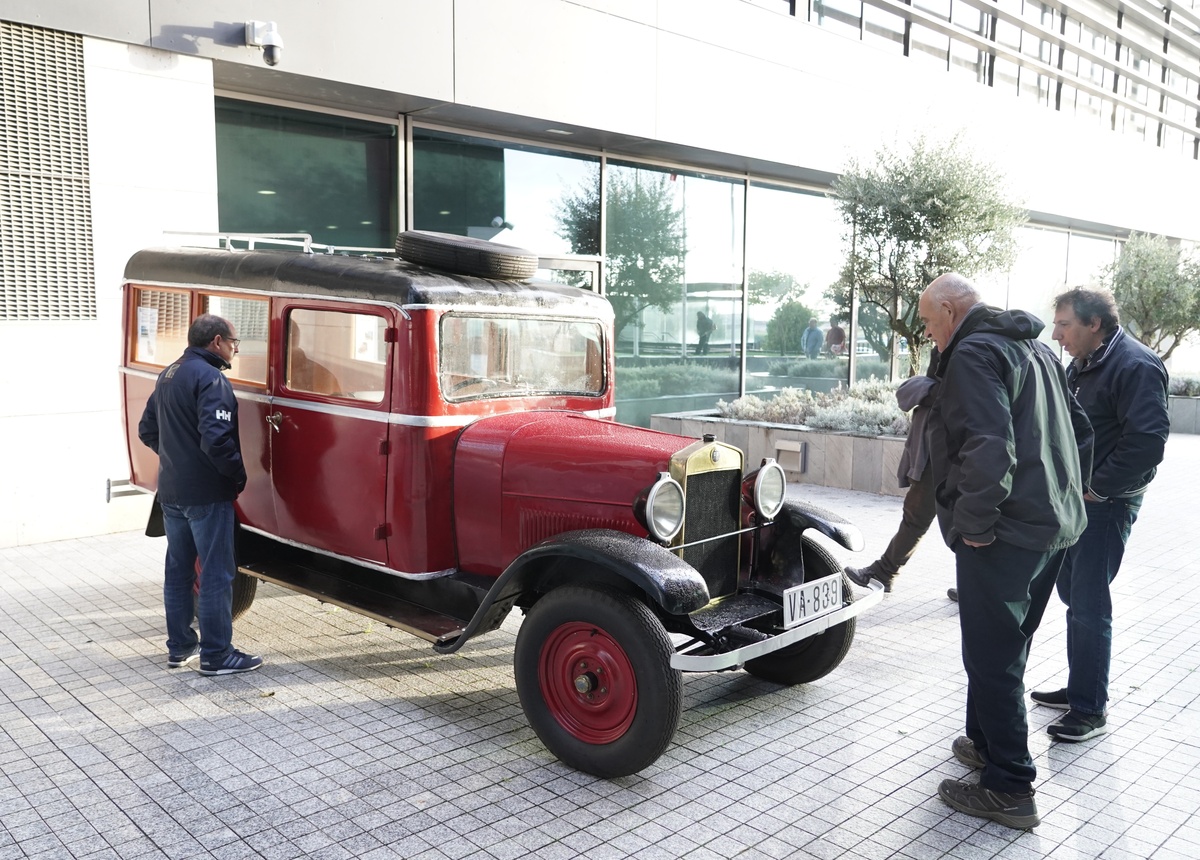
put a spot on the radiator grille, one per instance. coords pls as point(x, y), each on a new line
point(46, 270)
point(713, 507)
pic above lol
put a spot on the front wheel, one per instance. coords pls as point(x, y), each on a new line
point(593, 672)
point(817, 656)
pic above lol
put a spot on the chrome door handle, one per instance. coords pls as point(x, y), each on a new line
point(275, 420)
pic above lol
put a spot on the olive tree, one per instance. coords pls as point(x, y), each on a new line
point(915, 214)
point(1157, 288)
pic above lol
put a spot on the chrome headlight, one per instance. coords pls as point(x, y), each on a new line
point(765, 490)
point(659, 508)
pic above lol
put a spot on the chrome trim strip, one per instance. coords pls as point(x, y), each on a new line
point(252, 395)
point(729, 659)
point(434, 574)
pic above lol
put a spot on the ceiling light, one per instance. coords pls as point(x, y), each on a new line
point(444, 212)
point(265, 191)
point(558, 131)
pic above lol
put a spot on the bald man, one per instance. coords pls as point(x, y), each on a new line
point(1010, 452)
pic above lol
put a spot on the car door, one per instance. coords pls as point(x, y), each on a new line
point(329, 448)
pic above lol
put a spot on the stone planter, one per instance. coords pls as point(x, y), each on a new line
point(829, 459)
point(1185, 414)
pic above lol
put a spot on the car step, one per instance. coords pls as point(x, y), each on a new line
point(393, 611)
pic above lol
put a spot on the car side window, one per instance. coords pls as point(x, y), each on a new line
point(160, 325)
point(336, 354)
point(250, 319)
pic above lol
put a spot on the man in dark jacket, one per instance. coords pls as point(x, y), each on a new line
point(191, 422)
point(1010, 449)
point(1122, 386)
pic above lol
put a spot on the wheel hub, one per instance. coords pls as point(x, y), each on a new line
point(588, 683)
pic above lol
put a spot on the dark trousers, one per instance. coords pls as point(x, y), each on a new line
point(1090, 567)
point(915, 518)
point(1002, 593)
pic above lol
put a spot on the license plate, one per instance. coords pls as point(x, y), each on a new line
point(812, 600)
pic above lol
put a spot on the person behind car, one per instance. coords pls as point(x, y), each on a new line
point(1010, 449)
point(812, 340)
point(835, 338)
point(191, 422)
point(1122, 386)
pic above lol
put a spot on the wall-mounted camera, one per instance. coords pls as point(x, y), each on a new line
point(265, 35)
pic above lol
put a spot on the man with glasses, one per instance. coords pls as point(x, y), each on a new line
point(191, 422)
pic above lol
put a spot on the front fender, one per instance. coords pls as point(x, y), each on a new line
point(802, 515)
point(618, 558)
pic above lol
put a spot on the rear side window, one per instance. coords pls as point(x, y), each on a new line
point(250, 318)
point(161, 320)
point(336, 354)
point(519, 356)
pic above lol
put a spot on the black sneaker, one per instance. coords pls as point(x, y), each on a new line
point(1017, 810)
point(952, 593)
point(1077, 726)
point(233, 663)
point(964, 750)
point(1051, 699)
point(862, 576)
point(175, 661)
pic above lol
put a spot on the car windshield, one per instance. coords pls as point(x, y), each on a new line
point(498, 356)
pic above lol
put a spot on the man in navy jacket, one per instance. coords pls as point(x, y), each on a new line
point(1122, 386)
point(190, 421)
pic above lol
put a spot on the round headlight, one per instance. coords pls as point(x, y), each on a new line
point(660, 508)
point(770, 489)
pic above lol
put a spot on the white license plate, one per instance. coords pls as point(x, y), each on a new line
point(812, 600)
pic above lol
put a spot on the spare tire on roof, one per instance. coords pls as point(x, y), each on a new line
point(466, 256)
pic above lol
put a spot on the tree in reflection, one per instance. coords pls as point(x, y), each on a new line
point(1157, 288)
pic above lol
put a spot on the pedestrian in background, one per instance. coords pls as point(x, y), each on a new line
point(1010, 449)
point(1122, 386)
point(191, 422)
point(812, 339)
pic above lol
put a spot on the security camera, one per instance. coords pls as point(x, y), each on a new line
point(265, 35)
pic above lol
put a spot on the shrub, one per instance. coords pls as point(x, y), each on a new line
point(660, 379)
point(826, 368)
point(867, 407)
point(1185, 386)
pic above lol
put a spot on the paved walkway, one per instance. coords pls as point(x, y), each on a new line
point(358, 741)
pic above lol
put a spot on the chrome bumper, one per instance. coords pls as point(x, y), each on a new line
point(728, 659)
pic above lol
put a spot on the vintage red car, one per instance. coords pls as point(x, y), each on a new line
point(429, 440)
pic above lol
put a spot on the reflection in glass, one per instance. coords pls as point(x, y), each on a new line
point(250, 320)
point(505, 192)
point(1038, 275)
point(290, 171)
point(337, 354)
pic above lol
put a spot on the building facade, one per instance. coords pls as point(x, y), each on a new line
point(673, 153)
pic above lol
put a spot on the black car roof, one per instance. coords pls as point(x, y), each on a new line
point(382, 279)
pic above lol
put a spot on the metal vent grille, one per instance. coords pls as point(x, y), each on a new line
point(46, 269)
point(713, 506)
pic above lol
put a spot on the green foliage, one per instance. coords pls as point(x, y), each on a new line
point(1185, 386)
point(1157, 288)
point(912, 216)
point(663, 379)
point(644, 249)
point(867, 407)
point(827, 368)
point(767, 287)
point(786, 328)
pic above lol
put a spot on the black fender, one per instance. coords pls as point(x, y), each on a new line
point(630, 563)
point(779, 551)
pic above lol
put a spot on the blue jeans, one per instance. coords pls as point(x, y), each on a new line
point(204, 532)
point(1003, 590)
point(1091, 565)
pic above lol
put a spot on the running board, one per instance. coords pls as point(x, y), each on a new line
point(391, 610)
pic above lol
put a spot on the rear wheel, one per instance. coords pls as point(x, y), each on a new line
point(817, 656)
point(593, 672)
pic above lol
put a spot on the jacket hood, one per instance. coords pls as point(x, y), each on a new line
point(985, 319)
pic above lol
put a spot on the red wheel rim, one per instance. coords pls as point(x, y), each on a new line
point(588, 683)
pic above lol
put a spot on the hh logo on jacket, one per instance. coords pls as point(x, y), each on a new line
point(224, 415)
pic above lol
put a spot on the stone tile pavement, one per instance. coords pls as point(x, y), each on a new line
point(355, 740)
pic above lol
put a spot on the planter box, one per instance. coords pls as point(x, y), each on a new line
point(1185, 414)
point(865, 463)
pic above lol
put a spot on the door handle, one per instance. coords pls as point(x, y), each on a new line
point(275, 420)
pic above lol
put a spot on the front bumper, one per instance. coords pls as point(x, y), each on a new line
point(728, 659)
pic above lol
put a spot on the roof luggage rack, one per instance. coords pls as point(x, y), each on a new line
point(303, 241)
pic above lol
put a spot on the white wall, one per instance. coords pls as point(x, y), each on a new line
point(151, 136)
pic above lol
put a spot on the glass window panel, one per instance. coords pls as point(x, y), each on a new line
point(546, 201)
point(1004, 75)
point(967, 59)
point(1086, 256)
point(486, 356)
point(163, 317)
point(336, 354)
point(883, 29)
point(673, 273)
point(1039, 274)
point(937, 8)
point(929, 45)
point(840, 16)
point(250, 319)
point(795, 252)
point(289, 171)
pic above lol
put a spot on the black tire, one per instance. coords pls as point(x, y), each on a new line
point(244, 589)
point(463, 255)
point(625, 718)
point(817, 656)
